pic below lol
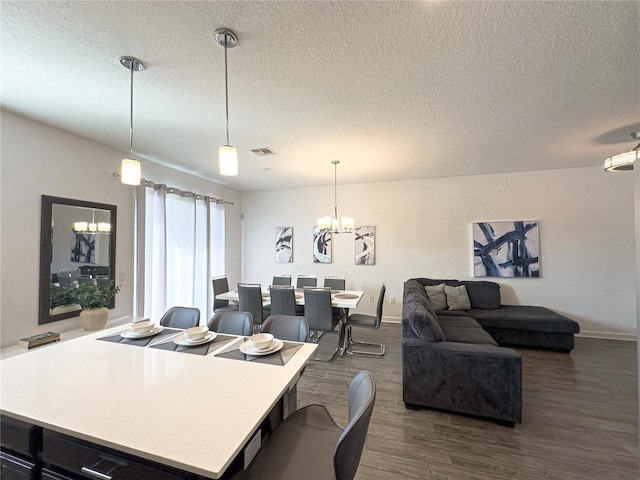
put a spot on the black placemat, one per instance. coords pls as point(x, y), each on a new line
point(197, 349)
point(281, 357)
point(141, 342)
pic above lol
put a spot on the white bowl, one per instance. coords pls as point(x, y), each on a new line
point(260, 341)
point(142, 327)
point(196, 333)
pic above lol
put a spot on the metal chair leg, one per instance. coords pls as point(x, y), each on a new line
point(350, 342)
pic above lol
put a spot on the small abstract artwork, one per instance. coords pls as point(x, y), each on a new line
point(82, 247)
point(321, 245)
point(365, 240)
point(284, 244)
point(506, 249)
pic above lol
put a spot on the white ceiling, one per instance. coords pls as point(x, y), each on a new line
point(395, 90)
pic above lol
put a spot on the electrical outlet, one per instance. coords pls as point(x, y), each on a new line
point(392, 299)
point(371, 299)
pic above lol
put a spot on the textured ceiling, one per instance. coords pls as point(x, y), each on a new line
point(395, 90)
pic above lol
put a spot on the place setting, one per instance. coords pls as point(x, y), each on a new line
point(261, 348)
point(141, 333)
point(196, 340)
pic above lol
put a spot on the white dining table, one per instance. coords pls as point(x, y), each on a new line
point(346, 299)
point(195, 413)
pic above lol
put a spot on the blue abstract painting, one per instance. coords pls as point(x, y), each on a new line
point(506, 249)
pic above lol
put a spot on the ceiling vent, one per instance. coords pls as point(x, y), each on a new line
point(263, 152)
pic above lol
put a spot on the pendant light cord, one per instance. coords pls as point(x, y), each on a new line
point(131, 114)
point(226, 85)
point(335, 190)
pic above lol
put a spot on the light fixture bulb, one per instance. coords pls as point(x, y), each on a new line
point(80, 226)
point(104, 227)
point(228, 160)
point(130, 172)
point(324, 223)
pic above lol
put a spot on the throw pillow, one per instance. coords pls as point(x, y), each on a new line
point(457, 297)
point(483, 295)
point(437, 297)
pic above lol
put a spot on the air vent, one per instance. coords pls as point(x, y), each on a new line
point(263, 152)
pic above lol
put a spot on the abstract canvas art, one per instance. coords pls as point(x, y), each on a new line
point(284, 244)
point(365, 240)
point(321, 245)
point(506, 249)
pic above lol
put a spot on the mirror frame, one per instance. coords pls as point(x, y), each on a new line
point(46, 252)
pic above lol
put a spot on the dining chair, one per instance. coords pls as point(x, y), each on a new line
point(306, 281)
point(103, 281)
point(64, 279)
point(367, 321)
point(319, 313)
point(283, 300)
point(233, 323)
point(82, 279)
point(221, 285)
point(287, 327)
point(250, 299)
point(281, 280)
point(181, 317)
point(309, 444)
point(335, 283)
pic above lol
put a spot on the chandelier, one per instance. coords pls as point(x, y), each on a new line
point(346, 224)
point(92, 227)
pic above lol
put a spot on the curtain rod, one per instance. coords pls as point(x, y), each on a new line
point(182, 193)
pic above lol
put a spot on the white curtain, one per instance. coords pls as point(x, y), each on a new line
point(180, 248)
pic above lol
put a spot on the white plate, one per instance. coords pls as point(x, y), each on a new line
point(153, 331)
point(181, 340)
point(247, 350)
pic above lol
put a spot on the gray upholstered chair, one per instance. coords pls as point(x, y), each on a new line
point(306, 281)
point(319, 313)
point(281, 280)
point(221, 285)
point(233, 323)
point(181, 317)
point(64, 279)
point(287, 327)
point(283, 300)
point(368, 321)
point(250, 299)
point(103, 281)
point(335, 283)
point(308, 444)
point(82, 279)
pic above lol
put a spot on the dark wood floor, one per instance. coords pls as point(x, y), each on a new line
point(580, 417)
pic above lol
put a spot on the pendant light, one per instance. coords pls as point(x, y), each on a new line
point(327, 223)
point(130, 172)
point(624, 161)
point(227, 154)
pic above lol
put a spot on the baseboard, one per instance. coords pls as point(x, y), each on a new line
point(628, 337)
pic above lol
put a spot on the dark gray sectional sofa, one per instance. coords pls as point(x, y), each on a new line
point(455, 359)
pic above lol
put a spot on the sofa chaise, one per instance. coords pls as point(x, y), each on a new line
point(454, 355)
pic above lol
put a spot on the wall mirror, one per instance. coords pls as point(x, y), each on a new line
point(77, 244)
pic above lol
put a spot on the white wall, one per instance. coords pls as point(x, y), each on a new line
point(423, 228)
point(40, 160)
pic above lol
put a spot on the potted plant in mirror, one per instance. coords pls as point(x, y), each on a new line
point(94, 300)
point(62, 299)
